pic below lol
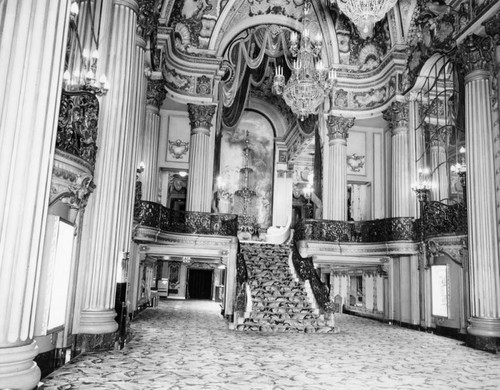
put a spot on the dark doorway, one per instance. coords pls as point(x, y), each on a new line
point(200, 284)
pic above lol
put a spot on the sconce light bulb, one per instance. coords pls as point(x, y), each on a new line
point(95, 55)
point(74, 10)
point(66, 76)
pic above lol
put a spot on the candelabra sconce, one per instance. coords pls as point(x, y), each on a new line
point(460, 168)
point(422, 188)
point(308, 192)
point(82, 72)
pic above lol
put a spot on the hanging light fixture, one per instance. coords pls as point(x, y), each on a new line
point(365, 13)
point(308, 84)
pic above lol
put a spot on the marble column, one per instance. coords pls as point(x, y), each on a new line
point(156, 93)
point(475, 53)
point(397, 117)
point(32, 47)
point(102, 235)
point(335, 202)
point(199, 189)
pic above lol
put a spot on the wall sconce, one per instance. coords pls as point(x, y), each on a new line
point(423, 185)
point(460, 168)
point(81, 74)
point(141, 167)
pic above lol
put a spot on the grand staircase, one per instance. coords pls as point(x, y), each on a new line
point(277, 301)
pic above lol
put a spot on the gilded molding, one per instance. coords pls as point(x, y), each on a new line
point(338, 127)
point(156, 92)
point(397, 116)
point(475, 53)
point(200, 117)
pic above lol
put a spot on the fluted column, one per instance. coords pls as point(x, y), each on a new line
point(156, 93)
point(415, 147)
point(199, 182)
point(440, 182)
point(336, 194)
point(397, 117)
point(475, 53)
point(32, 46)
point(102, 236)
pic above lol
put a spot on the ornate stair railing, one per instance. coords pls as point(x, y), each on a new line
point(305, 269)
point(157, 216)
point(241, 281)
point(440, 219)
point(379, 230)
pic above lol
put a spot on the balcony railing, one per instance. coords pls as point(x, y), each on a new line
point(379, 230)
point(440, 219)
point(155, 215)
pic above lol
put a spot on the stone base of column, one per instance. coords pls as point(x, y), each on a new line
point(17, 368)
point(484, 334)
point(98, 322)
point(96, 342)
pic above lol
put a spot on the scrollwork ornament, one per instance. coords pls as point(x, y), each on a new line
point(178, 148)
point(475, 53)
point(338, 127)
point(200, 116)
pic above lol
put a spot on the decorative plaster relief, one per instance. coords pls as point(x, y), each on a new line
point(355, 162)
point(178, 148)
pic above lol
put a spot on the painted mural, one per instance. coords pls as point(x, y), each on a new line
point(260, 161)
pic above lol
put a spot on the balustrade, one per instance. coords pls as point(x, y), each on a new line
point(155, 215)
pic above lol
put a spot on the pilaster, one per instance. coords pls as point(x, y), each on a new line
point(199, 182)
point(29, 105)
point(335, 203)
point(484, 329)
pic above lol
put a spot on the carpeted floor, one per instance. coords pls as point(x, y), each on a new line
point(187, 345)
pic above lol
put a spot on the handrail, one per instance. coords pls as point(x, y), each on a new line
point(305, 269)
point(157, 216)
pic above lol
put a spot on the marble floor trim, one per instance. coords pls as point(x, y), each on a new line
point(187, 345)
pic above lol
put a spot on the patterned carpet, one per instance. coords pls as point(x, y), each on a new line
point(186, 345)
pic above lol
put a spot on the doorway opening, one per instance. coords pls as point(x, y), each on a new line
point(200, 283)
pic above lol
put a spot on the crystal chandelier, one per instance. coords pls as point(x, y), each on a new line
point(365, 13)
point(308, 84)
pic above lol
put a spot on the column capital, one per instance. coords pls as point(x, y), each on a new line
point(132, 4)
point(156, 92)
point(147, 18)
point(200, 117)
point(397, 116)
point(338, 127)
point(475, 53)
point(438, 134)
point(492, 28)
